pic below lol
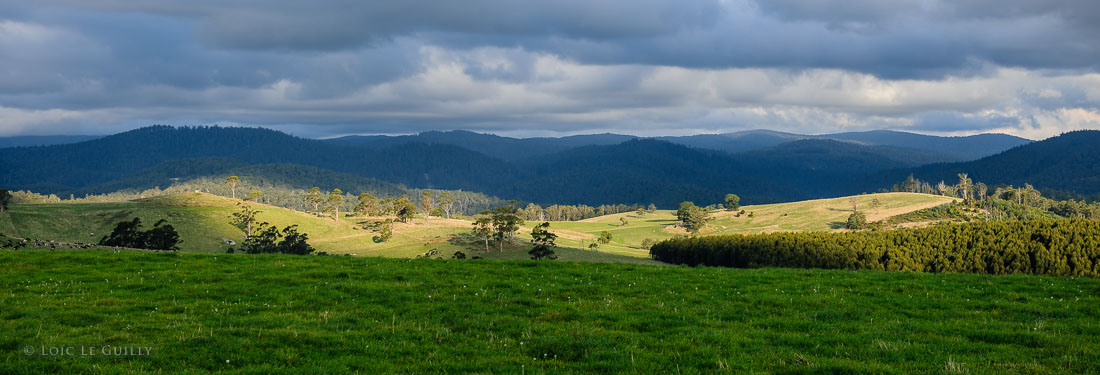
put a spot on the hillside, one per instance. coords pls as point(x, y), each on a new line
point(1069, 162)
point(805, 216)
point(240, 313)
point(203, 223)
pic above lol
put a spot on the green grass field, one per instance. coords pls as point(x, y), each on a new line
point(203, 223)
point(239, 313)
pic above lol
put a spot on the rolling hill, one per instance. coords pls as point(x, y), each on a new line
point(203, 223)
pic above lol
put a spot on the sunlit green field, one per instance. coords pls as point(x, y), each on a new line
point(814, 215)
point(240, 313)
point(203, 222)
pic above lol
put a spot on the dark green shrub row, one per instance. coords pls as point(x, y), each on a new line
point(1049, 247)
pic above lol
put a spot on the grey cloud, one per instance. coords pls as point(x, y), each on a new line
point(294, 25)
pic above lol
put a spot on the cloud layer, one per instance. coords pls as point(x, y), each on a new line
point(643, 67)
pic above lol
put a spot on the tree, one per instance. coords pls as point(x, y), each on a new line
point(446, 202)
point(622, 221)
point(368, 204)
point(856, 221)
point(733, 202)
point(965, 184)
point(854, 201)
point(682, 212)
point(315, 199)
point(605, 237)
point(652, 207)
point(483, 228)
point(294, 242)
point(544, 242)
point(640, 212)
point(245, 219)
point(875, 203)
point(333, 202)
point(162, 237)
point(5, 198)
point(265, 240)
point(692, 217)
point(506, 222)
point(982, 190)
point(125, 234)
point(404, 209)
point(385, 230)
point(648, 243)
point(696, 219)
point(232, 181)
point(254, 195)
point(426, 204)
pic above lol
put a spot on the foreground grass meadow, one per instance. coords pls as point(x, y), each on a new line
point(239, 313)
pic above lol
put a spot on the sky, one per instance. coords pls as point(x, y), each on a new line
point(545, 68)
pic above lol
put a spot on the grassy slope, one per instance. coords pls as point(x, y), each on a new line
point(262, 314)
point(203, 220)
point(813, 215)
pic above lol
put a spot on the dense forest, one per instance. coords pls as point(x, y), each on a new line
point(1069, 163)
point(1049, 247)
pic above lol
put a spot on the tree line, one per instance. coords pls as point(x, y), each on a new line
point(1047, 247)
point(1002, 202)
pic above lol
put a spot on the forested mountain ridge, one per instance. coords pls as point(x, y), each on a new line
point(43, 140)
point(638, 171)
point(65, 168)
point(933, 148)
point(1069, 162)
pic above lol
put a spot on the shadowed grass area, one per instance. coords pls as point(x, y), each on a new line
point(240, 313)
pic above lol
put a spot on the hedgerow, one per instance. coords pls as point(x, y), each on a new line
point(1049, 247)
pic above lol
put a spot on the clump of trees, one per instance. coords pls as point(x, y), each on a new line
point(269, 239)
point(559, 212)
point(1004, 202)
point(261, 237)
point(162, 236)
point(499, 224)
point(692, 217)
point(1048, 247)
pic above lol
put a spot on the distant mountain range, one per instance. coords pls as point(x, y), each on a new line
point(592, 169)
point(933, 148)
point(43, 140)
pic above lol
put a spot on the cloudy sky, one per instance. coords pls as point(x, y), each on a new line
point(646, 67)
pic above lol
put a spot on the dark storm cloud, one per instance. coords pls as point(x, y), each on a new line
point(349, 66)
point(906, 38)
